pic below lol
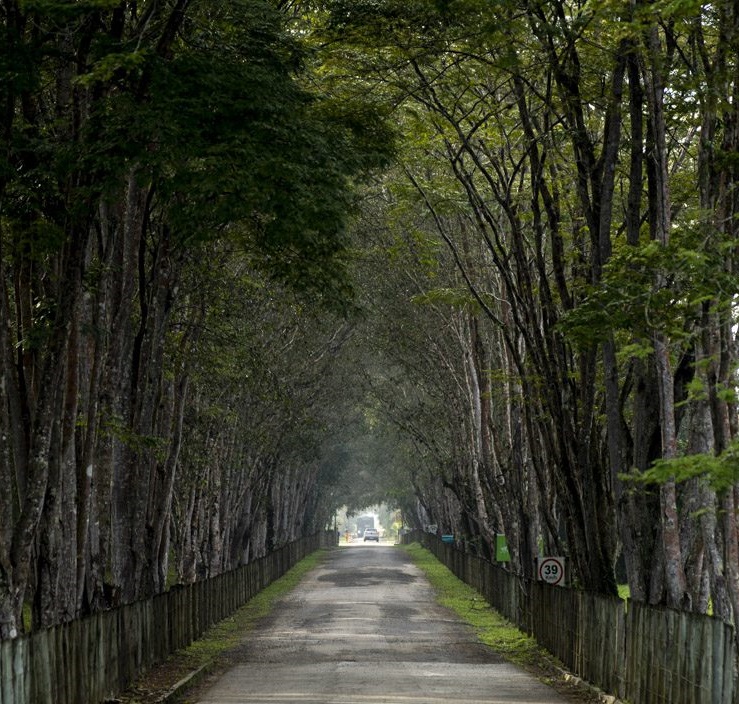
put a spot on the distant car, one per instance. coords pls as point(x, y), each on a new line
point(371, 534)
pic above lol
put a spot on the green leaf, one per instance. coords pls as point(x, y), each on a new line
point(721, 471)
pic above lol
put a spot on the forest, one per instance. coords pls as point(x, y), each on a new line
point(265, 259)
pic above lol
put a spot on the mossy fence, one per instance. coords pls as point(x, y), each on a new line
point(638, 653)
point(91, 660)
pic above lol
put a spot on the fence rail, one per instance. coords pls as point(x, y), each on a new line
point(639, 653)
point(92, 659)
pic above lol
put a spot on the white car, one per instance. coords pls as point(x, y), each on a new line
point(371, 534)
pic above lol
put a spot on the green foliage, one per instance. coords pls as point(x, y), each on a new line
point(647, 288)
point(419, 21)
point(57, 8)
point(118, 429)
point(364, 464)
point(382, 16)
point(455, 298)
point(225, 129)
point(112, 64)
point(720, 471)
point(241, 142)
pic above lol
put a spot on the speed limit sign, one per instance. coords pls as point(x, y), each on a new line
point(552, 570)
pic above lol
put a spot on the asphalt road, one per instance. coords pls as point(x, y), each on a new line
point(364, 628)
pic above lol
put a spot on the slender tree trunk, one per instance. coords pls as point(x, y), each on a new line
point(479, 402)
point(56, 553)
point(674, 574)
point(12, 455)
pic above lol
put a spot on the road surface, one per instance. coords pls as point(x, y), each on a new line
point(364, 628)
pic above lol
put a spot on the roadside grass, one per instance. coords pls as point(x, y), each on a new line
point(492, 628)
point(230, 632)
point(206, 653)
point(497, 632)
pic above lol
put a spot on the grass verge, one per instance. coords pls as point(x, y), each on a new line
point(210, 652)
point(492, 628)
point(496, 631)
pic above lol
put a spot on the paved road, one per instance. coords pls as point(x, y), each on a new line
point(364, 629)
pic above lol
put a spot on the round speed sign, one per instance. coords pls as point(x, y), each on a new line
point(552, 570)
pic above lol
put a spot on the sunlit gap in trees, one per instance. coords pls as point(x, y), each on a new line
point(351, 524)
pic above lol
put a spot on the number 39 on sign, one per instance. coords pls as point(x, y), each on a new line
point(552, 570)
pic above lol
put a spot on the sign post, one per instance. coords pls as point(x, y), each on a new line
point(552, 570)
point(501, 548)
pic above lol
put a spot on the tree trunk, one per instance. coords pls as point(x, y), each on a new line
point(660, 223)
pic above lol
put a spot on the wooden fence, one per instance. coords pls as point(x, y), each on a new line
point(639, 653)
point(90, 660)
